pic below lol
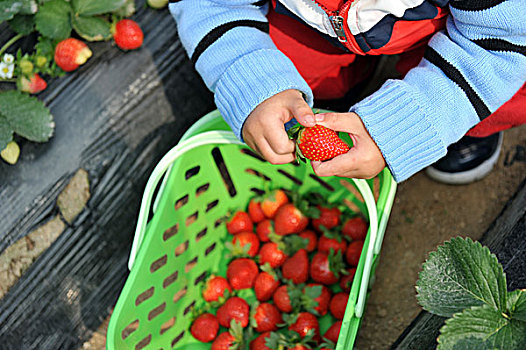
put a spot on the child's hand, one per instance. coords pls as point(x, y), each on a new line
point(364, 160)
point(264, 129)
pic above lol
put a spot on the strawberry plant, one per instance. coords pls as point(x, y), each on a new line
point(464, 281)
point(54, 53)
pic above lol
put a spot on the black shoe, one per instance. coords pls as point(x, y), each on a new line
point(468, 160)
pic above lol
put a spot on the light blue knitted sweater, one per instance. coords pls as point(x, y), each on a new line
point(468, 72)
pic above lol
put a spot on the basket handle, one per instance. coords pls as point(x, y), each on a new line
point(205, 138)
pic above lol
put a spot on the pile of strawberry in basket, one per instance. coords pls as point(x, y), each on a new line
point(297, 255)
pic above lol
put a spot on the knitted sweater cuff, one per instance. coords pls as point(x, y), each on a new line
point(401, 128)
point(251, 80)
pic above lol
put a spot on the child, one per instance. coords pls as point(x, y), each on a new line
point(266, 61)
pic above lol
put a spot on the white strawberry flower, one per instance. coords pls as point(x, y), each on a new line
point(8, 58)
point(6, 70)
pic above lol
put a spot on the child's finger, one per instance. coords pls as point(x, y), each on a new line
point(279, 141)
point(303, 113)
point(348, 122)
point(334, 167)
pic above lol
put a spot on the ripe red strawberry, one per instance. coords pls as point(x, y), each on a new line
point(71, 53)
point(270, 253)
point(128, 35)
point(318, 142)
point(266, 317)
point(260, 342)
point(296, 268)
point(355, 228)
point(266, 283)
point(255, 212)
point(333, 332)
point(304, 323)
point(234, 308)
point(329, 218)
point(321, 300)
point(298, 347)
point(325, 268)
point(282, 299)
point(289, 219)
point(33, 85)
point(215, 288)
point(272, 201)
point(313, 239)
point(224, 341)
point(346, 280)
point(242, 273)
point(331, 240)
point(338, 305)
point(239, 222)
point(352, 255)
point(263, 229)
point(246, 238)
point(205, 327)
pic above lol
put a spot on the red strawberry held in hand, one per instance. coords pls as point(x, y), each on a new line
point(317, 142)
point(289, 220)
point(239, 222)
point(243, 239)
point(304, 323)
point(296, 268)
point(215, 288)
point(255, 212)
point(272, 201)
point(266, 283)
point(128, 35)
point(329, 218)
point(338, 305)
point(266, 317)
point(333, 332)
point(355, 228)
point(241, 273)
point(205, 327)
point(234, 308)
point(353, 252)
point(272, 254)
point(71, 53)
point(33, 85)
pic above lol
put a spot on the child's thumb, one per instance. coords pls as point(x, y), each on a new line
point(303, 113)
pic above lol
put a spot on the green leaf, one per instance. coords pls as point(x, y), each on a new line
point(44, 47)
point(460, 274)
point(126, 10)
point(27, 115)
point(482, 327)
point(53, 19)
point(29, 7)
point(517, 304)
point(92, 28)
point(96, 7)
point(6, 132)
point(22, 24)
point(9, 8)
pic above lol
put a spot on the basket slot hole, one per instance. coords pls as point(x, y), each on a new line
point(321, 182)
point(200, 235)
point(253, 154)
point(211, 205)
point(225, 175)
point(180, 202)
point(177, 339)
point(181, 248)
point(169, 233)
point(190, 265)
point(143, 343)
point(189, 308)
point(170, 279)
point(210, 249)
point(200, 278)
point(147, 294)
point(167, 325)
point(202, 189)
point(129, 329)
point(192, 172)
point(181, 293)
point(156, 311)
point(258, 174)
point(191, 219)
point(290, 177)
point(157, 264)
point(218, 223)
point(257, 191)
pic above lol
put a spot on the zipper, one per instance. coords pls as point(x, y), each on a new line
point(338, 24)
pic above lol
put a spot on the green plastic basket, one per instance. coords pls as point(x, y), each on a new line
point(205, 175)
